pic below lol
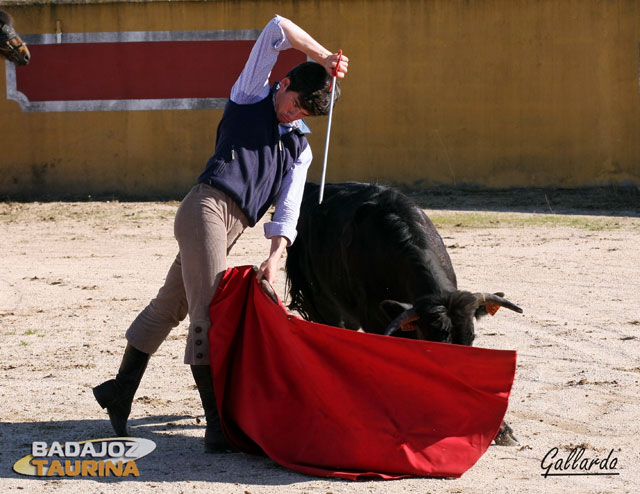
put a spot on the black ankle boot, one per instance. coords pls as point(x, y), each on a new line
point(214, 440)
point(116, 395)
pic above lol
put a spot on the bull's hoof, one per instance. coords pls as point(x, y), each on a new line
point(505, 436)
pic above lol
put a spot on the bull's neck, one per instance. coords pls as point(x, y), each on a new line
point(427, 277)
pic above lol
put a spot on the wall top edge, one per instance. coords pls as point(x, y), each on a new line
point(26, 3)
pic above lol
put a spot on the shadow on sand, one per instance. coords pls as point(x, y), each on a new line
point(178, 455)
point(609, 200)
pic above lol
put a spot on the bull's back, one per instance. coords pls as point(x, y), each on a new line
point(346, 205)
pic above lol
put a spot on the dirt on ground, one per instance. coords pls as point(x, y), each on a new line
point(74, 276)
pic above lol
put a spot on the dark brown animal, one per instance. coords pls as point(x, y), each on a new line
point(11, 45)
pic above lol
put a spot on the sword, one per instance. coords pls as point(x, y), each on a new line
point(334, 74)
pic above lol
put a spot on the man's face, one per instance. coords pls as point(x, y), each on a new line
point(287, 104)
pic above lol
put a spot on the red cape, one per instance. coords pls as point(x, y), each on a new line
point(331, 402)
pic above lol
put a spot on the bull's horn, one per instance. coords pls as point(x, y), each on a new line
point(406, 317)
point(496, 299)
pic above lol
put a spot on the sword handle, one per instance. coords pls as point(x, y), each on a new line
point(334, 72)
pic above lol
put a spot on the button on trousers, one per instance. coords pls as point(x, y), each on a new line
point(207, 224)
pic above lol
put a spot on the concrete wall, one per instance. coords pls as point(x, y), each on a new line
point(494, 92)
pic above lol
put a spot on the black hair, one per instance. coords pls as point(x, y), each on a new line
point(312, 82)
point(5, 18)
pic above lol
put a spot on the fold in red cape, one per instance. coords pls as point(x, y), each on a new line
point(336, 403)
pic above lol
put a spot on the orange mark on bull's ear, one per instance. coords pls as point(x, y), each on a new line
point(491, 308)
point(408, 327)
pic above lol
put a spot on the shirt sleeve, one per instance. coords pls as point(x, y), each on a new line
point(285, 217)
point(253, 84)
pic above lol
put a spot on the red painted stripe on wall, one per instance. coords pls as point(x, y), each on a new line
point(139, 70)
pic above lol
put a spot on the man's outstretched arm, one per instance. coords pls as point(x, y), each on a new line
point(301, 40)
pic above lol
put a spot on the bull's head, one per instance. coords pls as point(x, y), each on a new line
point(448, 318)
point(11, 45)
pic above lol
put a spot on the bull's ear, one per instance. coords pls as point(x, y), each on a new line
point(480, 312)
point(393, 309)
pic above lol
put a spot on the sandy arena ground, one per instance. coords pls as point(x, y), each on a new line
point(74, 275)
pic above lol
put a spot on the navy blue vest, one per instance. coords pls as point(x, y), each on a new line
point(251, 158)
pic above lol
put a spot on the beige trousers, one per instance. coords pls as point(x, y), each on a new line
point(207, 224)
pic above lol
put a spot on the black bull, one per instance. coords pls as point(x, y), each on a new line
point(369, 258)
